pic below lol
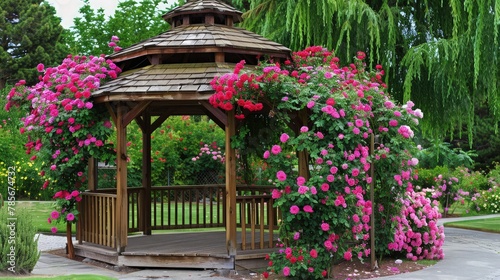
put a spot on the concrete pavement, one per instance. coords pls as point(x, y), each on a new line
point(468, 255)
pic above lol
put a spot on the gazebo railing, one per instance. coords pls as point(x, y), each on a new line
point(181, 207)
point(97, 221)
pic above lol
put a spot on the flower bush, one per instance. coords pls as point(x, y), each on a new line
point(417, 233)
point(333, 111)
point(489, 200)
point(64, 127)
point(210, 157)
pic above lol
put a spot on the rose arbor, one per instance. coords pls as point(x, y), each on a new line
point(64, 128)
point(326, 163)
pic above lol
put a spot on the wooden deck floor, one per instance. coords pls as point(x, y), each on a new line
point(204, 250)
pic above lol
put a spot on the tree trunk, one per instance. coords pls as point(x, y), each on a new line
point(69, 238)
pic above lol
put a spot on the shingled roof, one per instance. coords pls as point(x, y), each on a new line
point(180, 63)
point(165, 82)
point(203, 38)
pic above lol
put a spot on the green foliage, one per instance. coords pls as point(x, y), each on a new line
point(30, 34)
point(173, 147)
point(443, 55)
point(489, 201)
point(17, 241)
point(28, 181)
point(471, 181)
point(440, 153)
point(133, 21)
point(331, 112)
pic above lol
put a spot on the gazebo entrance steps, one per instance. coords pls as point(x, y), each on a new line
point(198, 250)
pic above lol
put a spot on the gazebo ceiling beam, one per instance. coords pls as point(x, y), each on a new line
point(136, 111)
point(215, 114)
point(159, 121)
point(111, 112)
point(140, 122)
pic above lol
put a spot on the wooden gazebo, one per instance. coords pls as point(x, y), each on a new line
point(163, 76)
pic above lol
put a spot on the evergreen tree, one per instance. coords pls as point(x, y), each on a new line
point(29, 34)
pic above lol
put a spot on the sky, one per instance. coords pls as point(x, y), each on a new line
point(67, 10)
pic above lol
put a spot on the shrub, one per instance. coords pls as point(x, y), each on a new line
point(417, 233)
point(489, 201)
point(440, 184)
point(18, 245)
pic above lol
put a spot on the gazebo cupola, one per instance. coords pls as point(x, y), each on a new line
point(206, 12)
point(167, 75)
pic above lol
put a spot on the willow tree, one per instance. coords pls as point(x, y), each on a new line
point(443, 55)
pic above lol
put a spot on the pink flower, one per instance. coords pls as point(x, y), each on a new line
point(54, 230)
point(310, 104)
point(313, 253)
point(358, 123)
point(75, 193)
point(330, 178)
point(348, 255)
point(296, 235)
point(294, 209)
point(303, 189)
point(40, 67)
point(355, 218)
point(276, 149)
point(355, 172)
point(325, 226)
point(281, 175)
point(54, 215)
point(266, 154)
point(334, 170)
point(304, 129)
point(284, 137)
point(393, 123)
point(301, 180)
point(70, 217)
point(286, 271)
point(53, 167)
point(308, 209)
point(325, 187)
point(275, 194)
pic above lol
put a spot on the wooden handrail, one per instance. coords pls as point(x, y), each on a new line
point(181, 207)
point(97, 221)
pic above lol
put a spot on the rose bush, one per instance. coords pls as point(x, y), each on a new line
point(333, 111)
point(64, 127)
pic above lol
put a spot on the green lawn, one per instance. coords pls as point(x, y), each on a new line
point(488, 225)
point(40, 212)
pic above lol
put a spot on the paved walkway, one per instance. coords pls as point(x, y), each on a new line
point(468, 255)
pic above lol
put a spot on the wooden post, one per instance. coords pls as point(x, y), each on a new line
point(121, 181)
point(145, 202)
point(230, 186)
point(373, 260)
